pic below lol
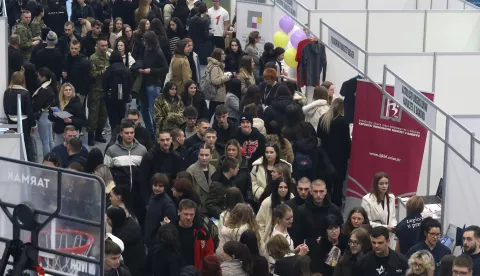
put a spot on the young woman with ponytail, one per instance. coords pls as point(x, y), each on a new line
point(239, 260)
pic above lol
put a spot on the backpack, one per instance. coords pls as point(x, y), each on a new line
point(207, 86)
point(213, 229)
point(302, 161)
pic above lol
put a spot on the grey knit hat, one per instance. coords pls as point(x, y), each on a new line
point(52, 39)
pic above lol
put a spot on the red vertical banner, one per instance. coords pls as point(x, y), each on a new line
point(384, 139)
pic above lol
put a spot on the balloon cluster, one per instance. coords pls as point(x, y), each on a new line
point(281, 39)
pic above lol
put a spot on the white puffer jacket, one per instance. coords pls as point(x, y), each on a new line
point(233, 268)
point(314, 111)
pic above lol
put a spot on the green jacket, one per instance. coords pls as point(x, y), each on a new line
point(25, 34)
point(98, 65)
point(36, 26)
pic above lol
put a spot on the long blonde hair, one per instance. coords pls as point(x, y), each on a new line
point(61, 101)
point(335, 110)
point(242, 214)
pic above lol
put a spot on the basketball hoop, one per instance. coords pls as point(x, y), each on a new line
point(68, 241)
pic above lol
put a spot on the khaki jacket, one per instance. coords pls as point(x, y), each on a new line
point(218, 78)
point(181, 72)
point(246, 79)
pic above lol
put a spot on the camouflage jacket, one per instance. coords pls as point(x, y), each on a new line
point(36, 26)
point(25, 34)
point(168, 115)
point(98, 65)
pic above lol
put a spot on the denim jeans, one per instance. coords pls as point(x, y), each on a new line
point(151, 93)
point(45, 132)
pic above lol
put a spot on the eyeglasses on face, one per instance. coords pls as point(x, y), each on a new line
point(459, 273)
point(353, 243)
point(434, 234)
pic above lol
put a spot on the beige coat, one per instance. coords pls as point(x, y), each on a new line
point(181, 72)
point(228, 234)
point(218, 78)
point(201, 185)
point(246, 79)
point(378, 216)
point(259, 177)
point(264, 218)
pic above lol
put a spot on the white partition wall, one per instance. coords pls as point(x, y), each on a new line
point(462, 28)
point(420, 77)
point(336, 19)
point(4, 64)
point(461, 204)
point(392, 4)
point(341, 4)
point(395, 31)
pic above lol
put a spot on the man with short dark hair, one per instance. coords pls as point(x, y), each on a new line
point(178, 139)
point(462, 265)
point(124, 158)
point(15, 57)
point(311, 219)
point(113, 256)
point(74, 149)
point(381, 260)
point(76, 70)
point(202, 125)
point(67, 37)
point(141, 133)
point(97, 111)
point(190, 115)
point(471, 246)
point(62, 149)
point(90, 40)
point(225, 127)
point(252, 142)
point(27, 41)
point(302, 191)
point(195, 239)
point(210, 139)
point(159, 159)
point(215, 202)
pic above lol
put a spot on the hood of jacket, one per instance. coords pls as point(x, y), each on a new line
point(118, 67)
point(254, 135)
point(214, 62)
point(281, 102)
point(315, 47)
point(306, 145)
point(313, 106)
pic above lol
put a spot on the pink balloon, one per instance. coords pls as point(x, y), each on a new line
point(286, 23)
point(296, 37)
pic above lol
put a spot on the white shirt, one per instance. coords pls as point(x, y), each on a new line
point(286, 235)
point(217, 18)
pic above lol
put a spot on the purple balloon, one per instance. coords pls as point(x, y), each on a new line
point(296, 37)
point(286, 23)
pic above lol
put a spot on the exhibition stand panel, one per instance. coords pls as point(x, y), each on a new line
point(405, 31)
point(394, 5)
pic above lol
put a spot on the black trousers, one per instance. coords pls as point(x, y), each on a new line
point(116, 111)
point(218, 42)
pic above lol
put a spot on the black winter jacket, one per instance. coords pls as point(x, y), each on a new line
point(78, 73)
point(223, 135)
point(159, 207)
point(242, 180)
point(102, 12)
point(81, 12)
point(49, 57)
point(157, 161)
point(232, 61)
point(199, 33)
point(43, 98)
point(117, 74)
point(15, 61)
point(89, 43)
point(134, 252)
point(155, 60)
point(311, 221)
point(215, 202)
point(164, 261)
point(73, 107)
point(10, 104)
point(276, 111)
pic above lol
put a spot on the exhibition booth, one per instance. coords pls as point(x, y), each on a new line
point(413, 45)
point(394, 5)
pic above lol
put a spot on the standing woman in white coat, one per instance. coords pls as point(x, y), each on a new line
point(380, 204)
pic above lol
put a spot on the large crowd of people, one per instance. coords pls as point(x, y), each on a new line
point(232, 171)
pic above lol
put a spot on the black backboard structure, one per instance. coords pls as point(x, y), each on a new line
point(69, 211)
